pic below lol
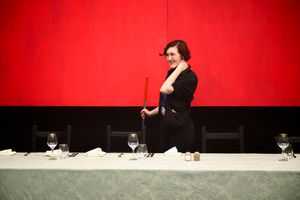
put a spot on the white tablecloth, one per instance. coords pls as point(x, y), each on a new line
point(216, 176)
point(210, 162)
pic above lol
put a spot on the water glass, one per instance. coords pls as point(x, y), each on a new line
point(64, 150)
point(289, 152)
point(142, 151)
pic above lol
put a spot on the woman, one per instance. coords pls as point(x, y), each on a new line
point(176, 95)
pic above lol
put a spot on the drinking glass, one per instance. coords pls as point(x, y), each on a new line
point(64, 150)
point(289, 152)
point(133, 142)
point(52, 142)
point(283, 143)
point(142, 151)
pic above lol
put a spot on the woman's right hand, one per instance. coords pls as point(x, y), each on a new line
point(145, 113)
point(148, 113)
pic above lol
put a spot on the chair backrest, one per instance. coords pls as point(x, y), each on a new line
point(64, 135)
point(239, 135)
point(117, 133)
point(294, 140)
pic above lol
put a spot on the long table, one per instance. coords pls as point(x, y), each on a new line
point(215, 176)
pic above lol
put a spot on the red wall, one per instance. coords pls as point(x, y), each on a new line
point(97, 52)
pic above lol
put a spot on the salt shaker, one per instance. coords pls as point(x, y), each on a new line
point(188, 156)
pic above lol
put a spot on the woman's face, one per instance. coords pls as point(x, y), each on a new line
point(173, 57)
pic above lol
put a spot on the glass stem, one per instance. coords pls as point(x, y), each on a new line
point(133, 156)
point(283, 155)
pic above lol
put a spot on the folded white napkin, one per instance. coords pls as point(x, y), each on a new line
point(7, 152)
point(56, 152)
point(95, 152)
point(172, 151)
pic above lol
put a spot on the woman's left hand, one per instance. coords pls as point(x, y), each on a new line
point(182, 65)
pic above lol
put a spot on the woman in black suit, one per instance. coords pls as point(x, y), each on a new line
point(176, 95)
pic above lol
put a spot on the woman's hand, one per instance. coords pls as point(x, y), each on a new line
point(147, 113)
point(144, 112)
point(182, 65)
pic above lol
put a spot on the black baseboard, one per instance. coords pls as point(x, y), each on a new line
point(261, 124)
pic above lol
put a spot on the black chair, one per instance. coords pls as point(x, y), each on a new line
point(239, 135)
point(64, 136)
point(117, 133)
point(294, 140)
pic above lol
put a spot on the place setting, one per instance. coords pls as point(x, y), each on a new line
point(283, 142)
point(63, 150)
point(139, 150)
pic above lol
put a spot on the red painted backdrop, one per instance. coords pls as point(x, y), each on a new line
point(98, 52)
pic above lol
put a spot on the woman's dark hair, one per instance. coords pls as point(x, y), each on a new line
point(182, 47)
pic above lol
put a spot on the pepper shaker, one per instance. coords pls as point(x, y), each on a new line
point(196, 156)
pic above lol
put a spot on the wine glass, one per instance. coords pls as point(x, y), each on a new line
point(52, 142)
point(283, 143)
point(133, 142)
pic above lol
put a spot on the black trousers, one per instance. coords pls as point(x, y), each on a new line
point(183, 138)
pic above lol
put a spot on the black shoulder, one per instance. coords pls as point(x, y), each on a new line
point(192, 75)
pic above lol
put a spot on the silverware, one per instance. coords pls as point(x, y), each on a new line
point(149, 155)
point(73, 154)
